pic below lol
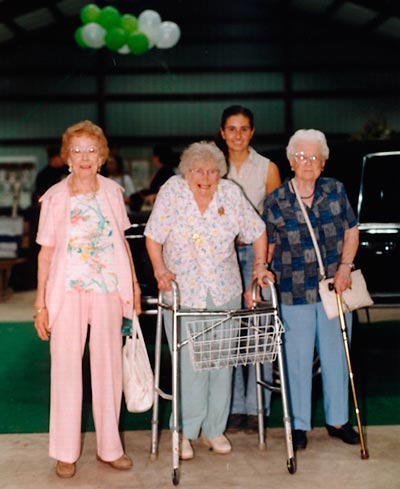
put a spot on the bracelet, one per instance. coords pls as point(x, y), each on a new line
point(264, 264)
point(350, 265)
point(38, 311)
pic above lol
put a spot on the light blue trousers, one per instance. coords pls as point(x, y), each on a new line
point(307, 328)
point(244, 398)
point(205, 395)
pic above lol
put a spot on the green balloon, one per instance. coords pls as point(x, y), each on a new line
point(89, 13)
point(129, 23)
point(138, 43)
point(109, 17)
point(78, 38)
point(115, 38)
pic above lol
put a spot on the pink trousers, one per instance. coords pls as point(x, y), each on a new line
point(68, 337)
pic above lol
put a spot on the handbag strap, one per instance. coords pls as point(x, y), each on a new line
point(136, 332)
point(310, 228)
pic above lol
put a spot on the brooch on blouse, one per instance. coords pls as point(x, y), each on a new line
point(221, 211)
point(196, 237)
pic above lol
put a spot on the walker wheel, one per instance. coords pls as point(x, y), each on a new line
point(291, 465)
point(175, 477)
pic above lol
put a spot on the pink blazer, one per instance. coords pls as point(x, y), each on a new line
point(53, 231)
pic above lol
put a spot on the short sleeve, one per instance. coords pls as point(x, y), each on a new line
point(159, 222)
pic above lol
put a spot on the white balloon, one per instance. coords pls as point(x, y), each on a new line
point(149, 22)
point(124, 50)
point(169, 35)
point(93, 35)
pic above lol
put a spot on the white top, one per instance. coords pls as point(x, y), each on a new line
point(252, 178)
point(129, 187)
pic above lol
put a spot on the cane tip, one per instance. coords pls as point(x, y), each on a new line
point(364, 455)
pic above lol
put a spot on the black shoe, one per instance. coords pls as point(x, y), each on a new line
point(252, 424)
point(346, 433)
point(299, 438)
point(236, 423)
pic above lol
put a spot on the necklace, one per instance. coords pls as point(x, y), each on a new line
point(307, 196)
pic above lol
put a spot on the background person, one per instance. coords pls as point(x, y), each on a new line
point(114, 169)
point(257, 176)
point(296, 267)
point(165, 161)
point(85, 275)
point(52, 173)
point(190, 238)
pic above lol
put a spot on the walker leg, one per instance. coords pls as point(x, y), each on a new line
point(260, 408)
point(291, 460)
point(175, 398)
point(157, 363)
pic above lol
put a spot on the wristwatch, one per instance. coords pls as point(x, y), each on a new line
point(350, 265)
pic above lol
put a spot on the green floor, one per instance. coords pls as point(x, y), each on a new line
point(24, 381)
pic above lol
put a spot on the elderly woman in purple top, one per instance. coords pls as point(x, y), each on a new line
point(295, 265)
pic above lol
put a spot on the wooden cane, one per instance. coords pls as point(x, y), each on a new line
point(342, 320)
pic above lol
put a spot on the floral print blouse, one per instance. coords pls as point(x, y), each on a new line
point(90, 255)
point(200, 248)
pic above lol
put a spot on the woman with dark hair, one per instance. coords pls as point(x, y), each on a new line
point(257, 176)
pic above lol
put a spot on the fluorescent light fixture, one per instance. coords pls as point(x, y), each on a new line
point(350, 13)
point(390, 28)
point(71, 7)
point(5, 33)
point(35, 19)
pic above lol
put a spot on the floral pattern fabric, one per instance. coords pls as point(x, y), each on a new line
point(200, 248)
point(90, 254)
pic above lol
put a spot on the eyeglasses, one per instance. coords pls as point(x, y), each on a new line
point(301, 158)
point(201, 172)
point(78, 152)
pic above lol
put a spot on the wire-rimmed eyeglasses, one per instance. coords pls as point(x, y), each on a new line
point(78, 152)
point(302, 158)
point(201, 172)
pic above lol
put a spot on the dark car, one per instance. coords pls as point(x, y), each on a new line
point(378, 213)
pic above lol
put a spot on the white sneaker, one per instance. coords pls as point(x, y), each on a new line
point(220, 444)
point(186, 449)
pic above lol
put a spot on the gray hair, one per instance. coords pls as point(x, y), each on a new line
point(202, 151)
point(311, 135)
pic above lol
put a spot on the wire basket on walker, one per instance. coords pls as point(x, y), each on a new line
point(241, 338)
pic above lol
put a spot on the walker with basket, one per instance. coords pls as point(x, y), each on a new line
point(219, 339)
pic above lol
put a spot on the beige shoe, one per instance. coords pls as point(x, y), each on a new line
point(122, 463)
point(186, 449)
point(65, 470)
point(220, 444)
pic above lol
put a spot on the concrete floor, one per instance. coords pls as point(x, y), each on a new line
point(326, 463)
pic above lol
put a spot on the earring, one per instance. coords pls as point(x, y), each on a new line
point(70, 168)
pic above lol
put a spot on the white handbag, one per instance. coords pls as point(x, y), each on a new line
point(356, 297)
point(138, 379)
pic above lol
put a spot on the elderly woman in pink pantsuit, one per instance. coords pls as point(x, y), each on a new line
point(85, 276)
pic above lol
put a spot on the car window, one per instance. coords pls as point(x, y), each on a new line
point(379, 199)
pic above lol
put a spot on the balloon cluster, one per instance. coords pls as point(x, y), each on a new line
point(106, 27)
